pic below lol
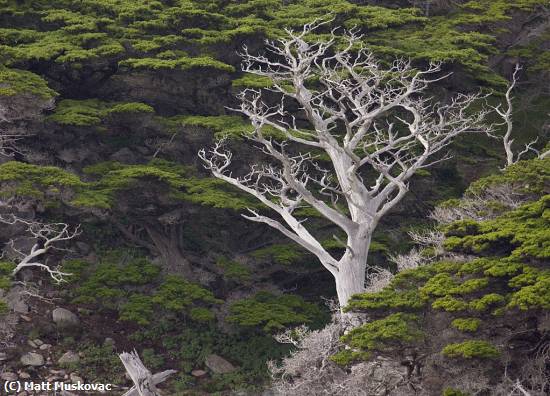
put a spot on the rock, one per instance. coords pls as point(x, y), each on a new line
point(24, 375)
point(32, 359)
point(16, 301)
point(75, 379)
point(8, 376)
point(109, 341)
point(69, 357)
point(198, 373)
point(58, 372)
point(25, 318)
point(64, 318)
point(43, 347)
point(218, 365)
point(31, 344)
point(24, 393)
point(3, 356)
point(38, 342)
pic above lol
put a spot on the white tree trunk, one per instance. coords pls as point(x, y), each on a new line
point(352, 268)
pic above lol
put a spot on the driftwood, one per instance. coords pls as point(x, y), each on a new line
point(144, 382)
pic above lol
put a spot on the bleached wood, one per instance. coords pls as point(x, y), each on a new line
point(47, 235)
point(144, 382)
point(363, 116)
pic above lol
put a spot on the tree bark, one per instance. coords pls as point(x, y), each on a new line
point(168, 247)
point(352, 268)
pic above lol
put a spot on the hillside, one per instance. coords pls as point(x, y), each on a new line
point(104, 108)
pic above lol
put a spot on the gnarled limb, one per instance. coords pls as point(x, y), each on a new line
point(362, 116)
point(48, 236)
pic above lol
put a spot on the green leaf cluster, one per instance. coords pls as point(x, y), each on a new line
point(22, 82)
point(92, 112)
point(285, 254)
point(521, 233)
point(273, 312)
point(397, 329)
point(471, 349)
point(466, 324)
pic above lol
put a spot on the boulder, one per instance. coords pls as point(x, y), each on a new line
point(198, 373)
point(218, 365)
point(75, 379)
point(16, 301)
point(64, 318)
point(32, 359)
point(69, 357)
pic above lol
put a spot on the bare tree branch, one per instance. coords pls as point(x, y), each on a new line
point(364, 117)
point(507, 117)
point(48, 236)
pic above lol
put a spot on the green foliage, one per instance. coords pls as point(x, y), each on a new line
point(216, 193)
point(471, 349)
point(347, 357)
point(222, 125)
point(176, 294)
point(483, 303)
point(184, 63)
point(107, 282)
point(6, 268)
point(3, 306)
point(111, 285)
point(394, 330)
point(21, 82)
point(466, 324)
point(139, 309)
point(35, 181)
point(454, 392)
point(529, 176)
point(233, 270)
point(252, 81)
point(450, 304)
point(439, 285)
point(387, 299)
point(151, 359)
point(523, 232)
point(536, 295)
point(285, 254)
point(273, 312)
point(190, 343)
point(92, 112)
point(101, 363)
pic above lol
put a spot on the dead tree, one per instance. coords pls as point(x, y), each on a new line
point(144, 382)
point(48, 237)
point(362, 116)
point(507, 116)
